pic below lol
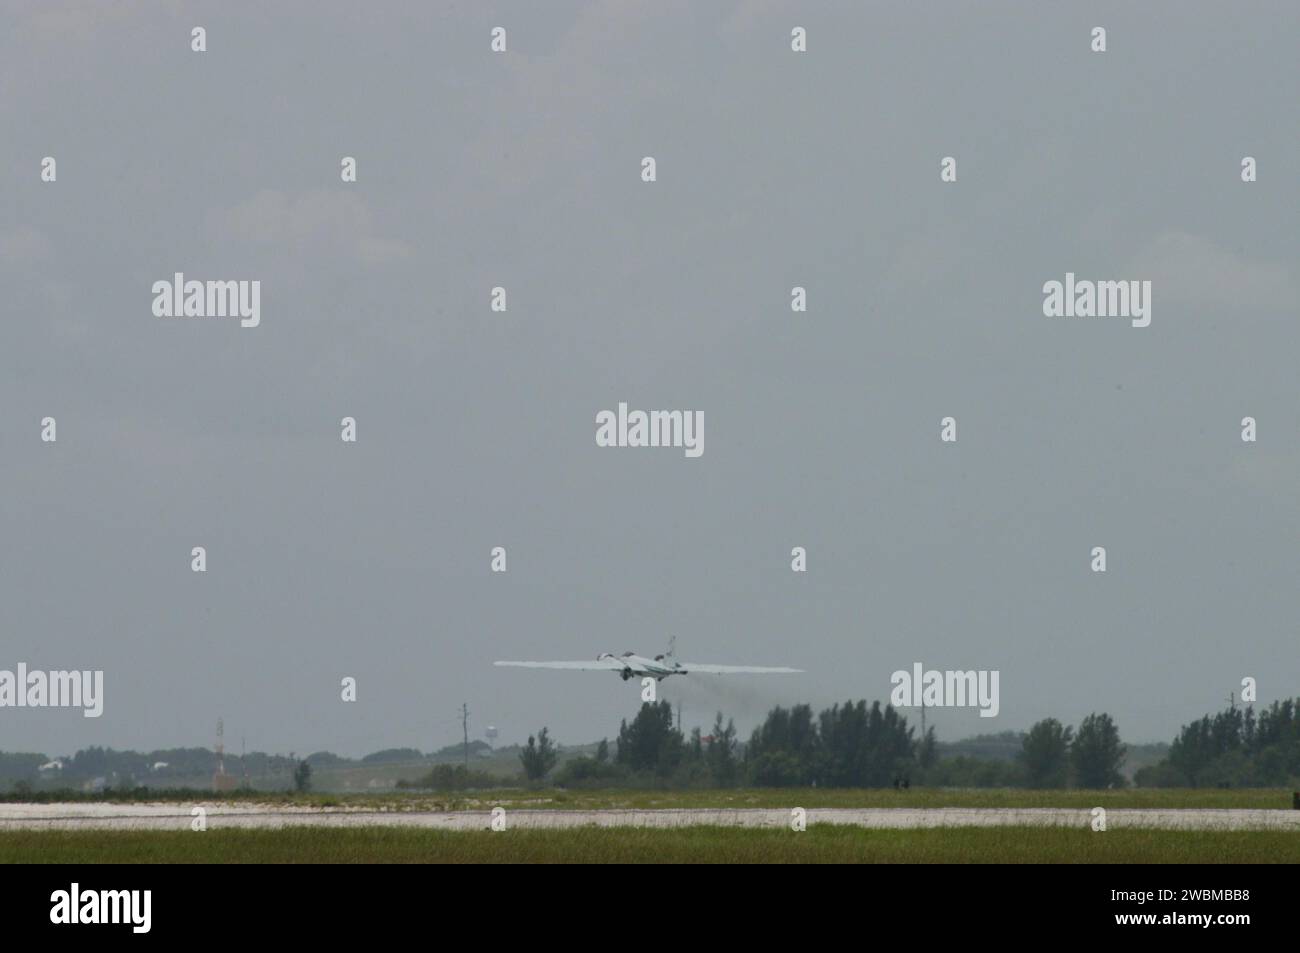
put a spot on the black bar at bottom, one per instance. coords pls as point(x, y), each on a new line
point(309, 902)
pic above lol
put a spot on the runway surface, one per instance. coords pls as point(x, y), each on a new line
point(174, 816)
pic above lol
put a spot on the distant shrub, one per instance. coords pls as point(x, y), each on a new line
point(392, 756)
point(588, 772)
point(451, 777)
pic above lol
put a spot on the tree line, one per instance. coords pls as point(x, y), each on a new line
point(856, 744)
point(851, 744)
point(1233, 748)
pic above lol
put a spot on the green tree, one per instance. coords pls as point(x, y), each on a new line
point(538, 756)
point(650, 742)
point(785, 749)
point(865, 747)
point(775, 769)
point(720, 752)
point(1045, 754)
point(927, 754)
point(849, 745)
point(1096, 753)
point(302, 776)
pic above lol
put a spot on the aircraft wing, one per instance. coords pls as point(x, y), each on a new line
point(595, 665)
point(690, 667)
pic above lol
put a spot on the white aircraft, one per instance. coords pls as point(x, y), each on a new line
point(660, 667)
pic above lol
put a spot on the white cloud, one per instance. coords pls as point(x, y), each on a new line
point(1189, 270)
point(320, 219)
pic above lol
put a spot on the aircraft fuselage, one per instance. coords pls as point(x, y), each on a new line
point(638, 665)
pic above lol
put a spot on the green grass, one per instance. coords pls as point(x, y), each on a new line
point(819, 844)
point(876, 797)
point(613, 798)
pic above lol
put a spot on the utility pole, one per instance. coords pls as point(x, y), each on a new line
point(464, 724)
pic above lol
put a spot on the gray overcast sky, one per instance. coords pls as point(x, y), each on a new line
point(477, 429)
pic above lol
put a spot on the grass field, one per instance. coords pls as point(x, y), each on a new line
point(819, 844)
point(618, 798)
point(869, 797)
